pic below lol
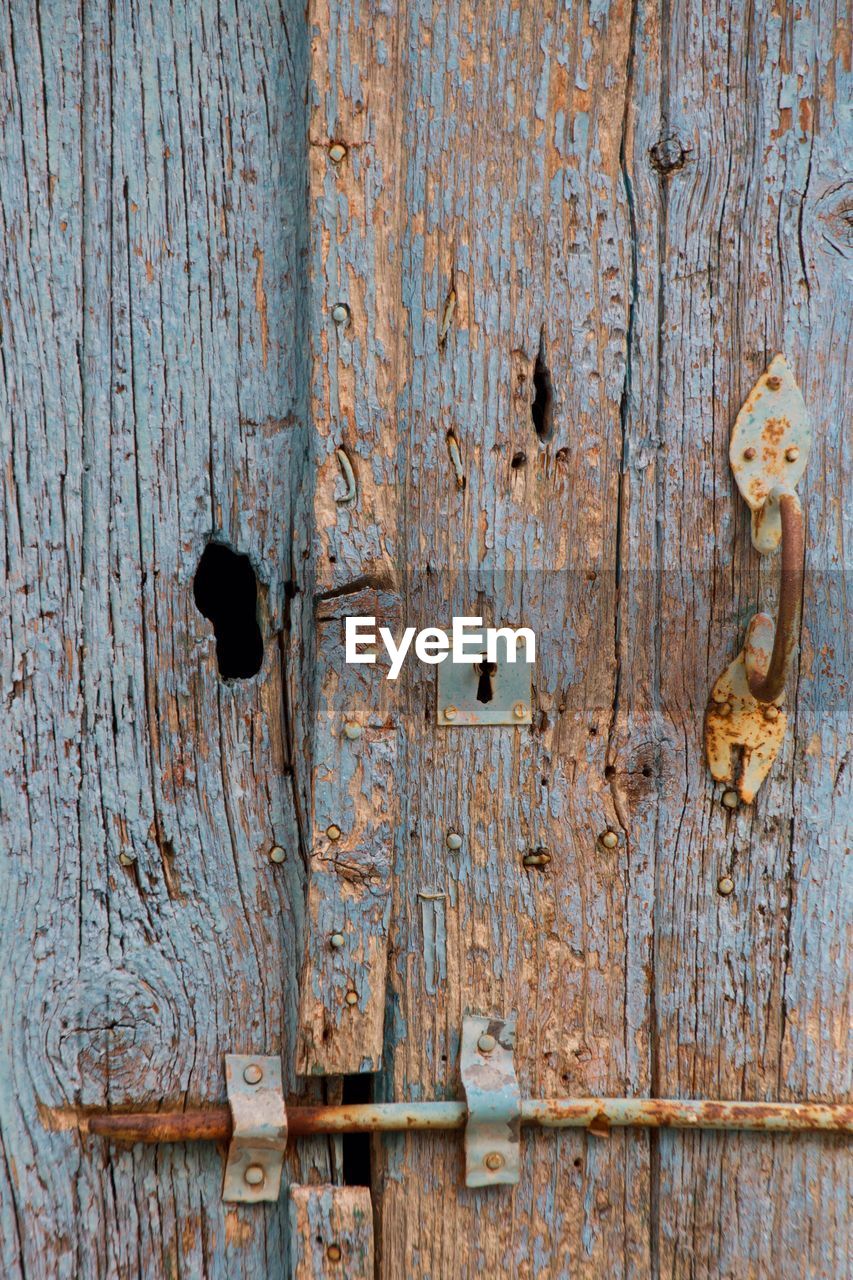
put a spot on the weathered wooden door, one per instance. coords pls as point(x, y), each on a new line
point(425, 308)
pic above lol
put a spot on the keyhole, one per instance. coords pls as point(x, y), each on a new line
point(486, 670)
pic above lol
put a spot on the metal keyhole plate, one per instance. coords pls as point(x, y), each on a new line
point(461, 687)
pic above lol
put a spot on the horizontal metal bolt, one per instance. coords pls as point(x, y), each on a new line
point(253, 1074)
point(494, 1161)
point(337, 941)
point(519, 710)
point(749, 454)
point(486, 1043)
point(254, 1175)
point(609, 839)
point(333, 1253)
point(725, 885)
point(276, 853)
point(730, 799)
point(792, 453)
point(333, 831)
point(337, 152)
point(450, 713)
point(454, 840)
point(351, 997)
point(353, 730)
point(771, 713)
point(774, 383)
point(340, 313)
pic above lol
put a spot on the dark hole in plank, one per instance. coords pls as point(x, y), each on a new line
point(542, 409)
point(356, 1146)
point(226, 591)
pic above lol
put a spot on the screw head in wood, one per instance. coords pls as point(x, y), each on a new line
point(725, 885)
point(454, 840)
point(333, 1253)
point(609, 839)
point(340, 313)
point(486, 1043)
point(450, 713)
point(333, 831)
point(730, 799)
point(351, 997)
point(749, 454)
point(519, 710)
point(337, 941)
point(353, 730)
point(253, 1074)
point(276, 853)
point(774, 383)
point(771, 712)
point(337, 152)
point(792, 453)
point(254, 1175)
point(494, 1161)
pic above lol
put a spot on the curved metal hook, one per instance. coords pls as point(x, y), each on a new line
point(769, 649)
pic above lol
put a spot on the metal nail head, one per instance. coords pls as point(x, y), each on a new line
point(254, 1175)
point(486, 1043)
point(337, 152)
point(454, 840)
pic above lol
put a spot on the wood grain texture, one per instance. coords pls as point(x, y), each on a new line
point(655, 199)
point(353, 536)
point(331, 1233)
point(152, 393)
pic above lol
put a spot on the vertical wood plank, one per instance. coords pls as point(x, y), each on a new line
point(517, 240)
point(331, 1233)
point(152, 201)
point(747, 1003)
point(352, 513)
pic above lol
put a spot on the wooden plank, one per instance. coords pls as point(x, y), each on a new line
point(153, 249)
point(351, 501)
point(331, 1232)
point(747, 1001)
point(517, 239)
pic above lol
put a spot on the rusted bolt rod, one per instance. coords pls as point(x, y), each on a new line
point(214, 1123)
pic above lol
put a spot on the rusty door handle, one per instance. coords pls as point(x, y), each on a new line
point(769, 649)
point(768, 453)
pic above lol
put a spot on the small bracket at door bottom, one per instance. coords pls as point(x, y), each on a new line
point(494, 1102)
point(256, 1153)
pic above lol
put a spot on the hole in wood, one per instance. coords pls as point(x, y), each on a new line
point(485, 670)
point(542, 409)
point(226, 591)
point(356, 1146)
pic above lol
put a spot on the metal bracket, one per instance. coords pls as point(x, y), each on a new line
point(256, 1153)
point(494, 1102)
point(769, 448)
point(734, 718)
point(459, 683)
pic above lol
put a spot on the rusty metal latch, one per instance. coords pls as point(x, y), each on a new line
point(768, 452)
point(259, 1128)
point(493, 1098)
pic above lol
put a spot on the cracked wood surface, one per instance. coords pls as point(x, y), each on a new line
point(152, 178)
point(655, 198)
